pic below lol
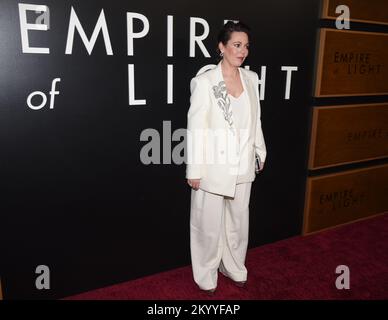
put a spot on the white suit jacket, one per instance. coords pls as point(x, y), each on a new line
point(213, 153)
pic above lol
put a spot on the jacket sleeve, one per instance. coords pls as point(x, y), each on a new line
point(260, 147)
point(196, 127)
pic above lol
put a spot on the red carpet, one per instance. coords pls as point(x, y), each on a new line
point(296, 268)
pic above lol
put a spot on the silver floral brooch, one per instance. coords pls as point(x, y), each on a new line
point(220, 93)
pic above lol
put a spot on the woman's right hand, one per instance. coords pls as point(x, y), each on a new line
point(194, 183)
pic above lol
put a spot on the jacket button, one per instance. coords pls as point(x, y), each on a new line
point(222, 151)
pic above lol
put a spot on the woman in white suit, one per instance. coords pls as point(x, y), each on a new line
point(225, 144)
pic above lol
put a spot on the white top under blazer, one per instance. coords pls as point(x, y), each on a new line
point(222, 137)
point(240, 109)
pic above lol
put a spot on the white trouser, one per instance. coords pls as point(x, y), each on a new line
point(219, 235)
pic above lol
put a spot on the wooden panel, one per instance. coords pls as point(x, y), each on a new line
point(375, 11)
point(350, 133)
point(339, 198)
point(352, 63)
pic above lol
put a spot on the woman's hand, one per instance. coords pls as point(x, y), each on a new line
point(261, 166)
point(194, 183)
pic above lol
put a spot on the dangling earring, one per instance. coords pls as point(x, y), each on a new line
point(221, 54)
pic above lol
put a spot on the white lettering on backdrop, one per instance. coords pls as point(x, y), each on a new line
point(195, 41)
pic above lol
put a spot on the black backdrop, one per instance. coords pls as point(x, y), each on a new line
point(75, 195)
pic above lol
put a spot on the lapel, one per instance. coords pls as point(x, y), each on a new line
point(249, 87)
point(220, 95)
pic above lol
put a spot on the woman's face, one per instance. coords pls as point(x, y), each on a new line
point(237, 48)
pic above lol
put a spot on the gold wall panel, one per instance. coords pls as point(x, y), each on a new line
point(352, 63)
point(349, 133)
point(374, 11)
point(339, 198)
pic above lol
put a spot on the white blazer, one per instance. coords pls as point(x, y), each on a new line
point(213, 153)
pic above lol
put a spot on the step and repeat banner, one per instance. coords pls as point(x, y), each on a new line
point(350, 63)
point(93, 113)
